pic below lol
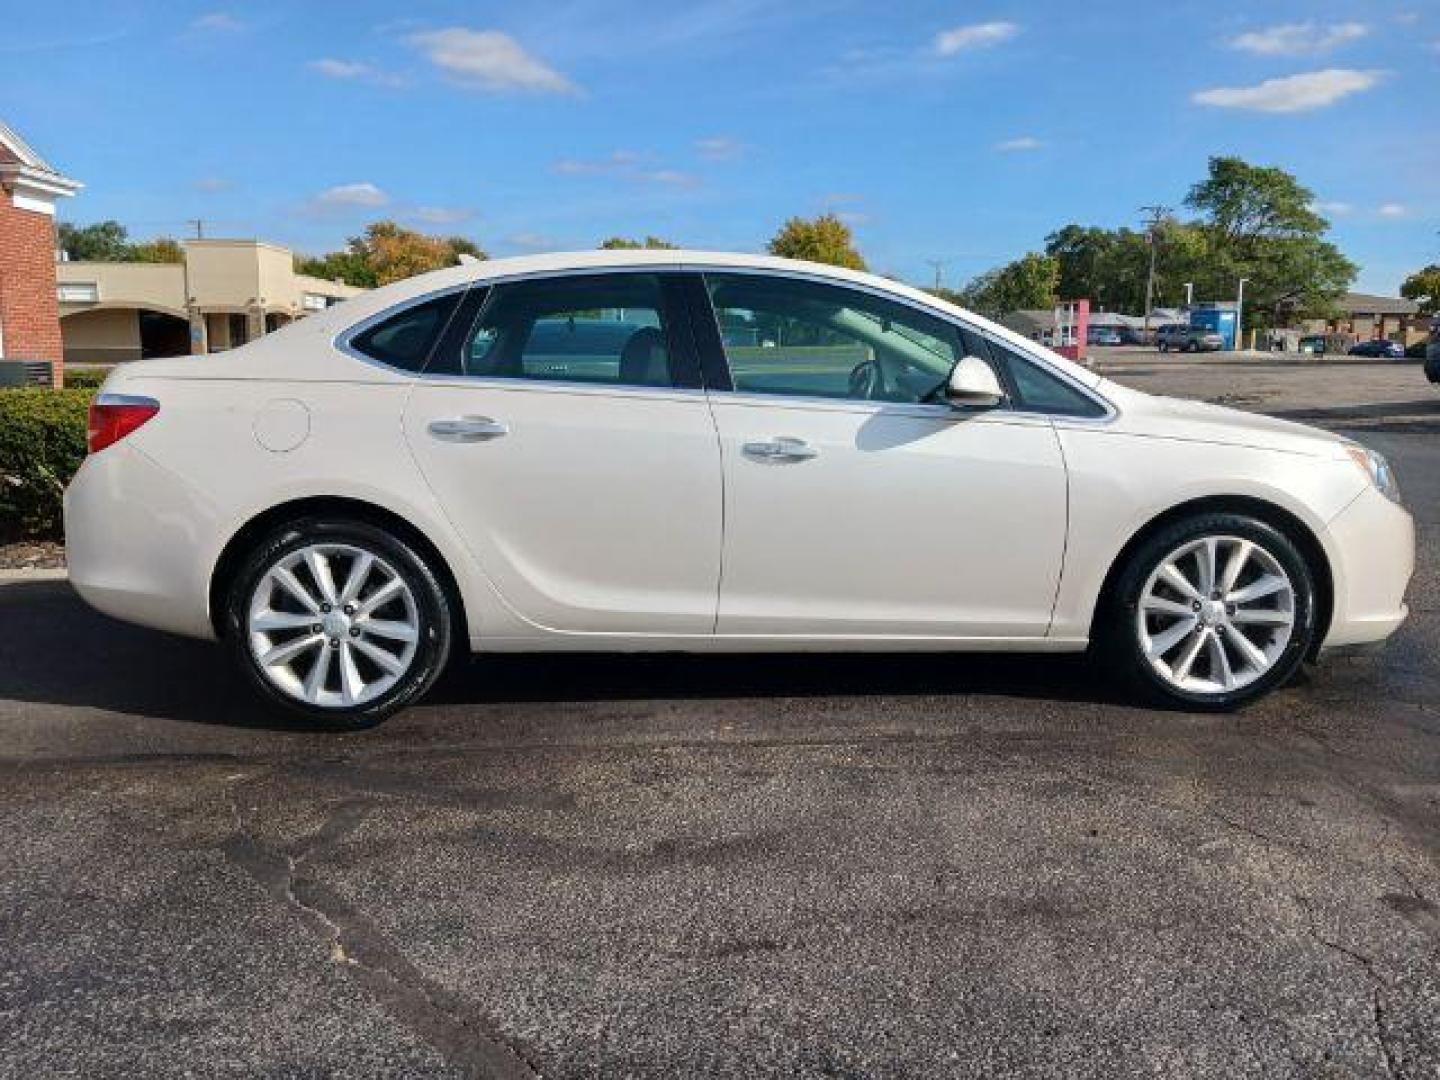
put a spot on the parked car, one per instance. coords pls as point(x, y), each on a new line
point(1432, 352)
point(560, 452)
point(1103, 335)
point(1380, 348)
point(1188, 338)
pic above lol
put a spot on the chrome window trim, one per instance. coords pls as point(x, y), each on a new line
point(342, 340)
point(563, 386)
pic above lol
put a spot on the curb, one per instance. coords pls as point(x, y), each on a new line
point(28, 573)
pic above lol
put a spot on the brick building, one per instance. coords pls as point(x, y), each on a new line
point(29, 310)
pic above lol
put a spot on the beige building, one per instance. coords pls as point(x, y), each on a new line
point(1363, 317)
point(225, 293)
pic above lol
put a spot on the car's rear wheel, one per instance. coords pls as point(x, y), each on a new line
point(339, 621)
point(1212, 612)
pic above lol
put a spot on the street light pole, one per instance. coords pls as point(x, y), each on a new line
point(1189, 294)
point(1240, 313)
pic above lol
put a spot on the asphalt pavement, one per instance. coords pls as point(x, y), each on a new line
point(753, 866)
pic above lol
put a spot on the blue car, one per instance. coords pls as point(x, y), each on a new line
point(1103, 335)
point(1380, 348)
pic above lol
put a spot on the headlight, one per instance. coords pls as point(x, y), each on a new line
point(1376, 468)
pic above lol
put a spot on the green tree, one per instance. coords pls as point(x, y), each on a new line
point(104, 241)
point(1423, 286)
point(1030, 282)
point(1253, 222)
point(108, 241)
point(388, 252)
point(1258, 224)
point(1245, 203)
point(625, 243)
point(825, 239)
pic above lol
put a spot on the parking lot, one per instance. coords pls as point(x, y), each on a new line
point(862, 866)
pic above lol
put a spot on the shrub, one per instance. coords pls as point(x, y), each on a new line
point(42, 443)
point(85, 378)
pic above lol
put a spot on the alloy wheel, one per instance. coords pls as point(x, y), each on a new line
point(333, 625)
point(1216, 614)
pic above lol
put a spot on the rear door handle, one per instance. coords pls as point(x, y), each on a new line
point(468, 429)
point(781, 448)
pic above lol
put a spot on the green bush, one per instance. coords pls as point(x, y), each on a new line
point(42, 443)
point(85, 378)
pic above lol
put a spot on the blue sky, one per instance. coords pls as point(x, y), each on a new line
point(961, 132)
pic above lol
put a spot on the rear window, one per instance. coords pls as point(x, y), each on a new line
point(404, 340)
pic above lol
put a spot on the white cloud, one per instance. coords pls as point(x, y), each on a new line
point(1293, 93)
point(353, 71)
point(1392, 210)
point(627, 164)
point(976, 36)
point(1304, 38)
point(441, 215)
point(363, 193)
point(1333, 208)
point(719, 148)
point(221, 22)
point(1019, 145)
point(490, 61)
point(531, 241)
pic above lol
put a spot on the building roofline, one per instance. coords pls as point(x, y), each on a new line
point(30, 169)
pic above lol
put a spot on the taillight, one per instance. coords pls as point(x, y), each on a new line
point(113, 416)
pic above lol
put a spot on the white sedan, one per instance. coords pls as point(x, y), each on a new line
point(707, 452)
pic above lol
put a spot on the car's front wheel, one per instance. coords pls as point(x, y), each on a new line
point(339, 621)
point(1212, 612)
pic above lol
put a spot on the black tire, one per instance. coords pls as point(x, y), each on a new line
point(432, 604)
point(1117, 633)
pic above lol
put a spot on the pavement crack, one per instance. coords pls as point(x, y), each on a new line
point(454, 1027)
point(1378, 983)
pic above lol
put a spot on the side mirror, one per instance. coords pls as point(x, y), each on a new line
point(973, 385)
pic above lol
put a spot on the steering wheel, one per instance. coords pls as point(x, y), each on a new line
point(866, 380)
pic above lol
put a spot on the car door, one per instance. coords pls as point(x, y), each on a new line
point(566, 435)
point(855, 505)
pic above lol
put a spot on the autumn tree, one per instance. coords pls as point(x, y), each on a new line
point(825, 239)
point(387, 252)
point(625, 243)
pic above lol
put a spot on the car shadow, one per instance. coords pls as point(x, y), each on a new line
point(55, 650)
point(1419, 417)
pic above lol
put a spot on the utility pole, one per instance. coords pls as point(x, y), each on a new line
point(1189, 294)
point(1240, 314)
point(1157, 214)
point(937, 265)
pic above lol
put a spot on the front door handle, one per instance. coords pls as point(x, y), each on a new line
point(468, 429)
point(781, 448)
